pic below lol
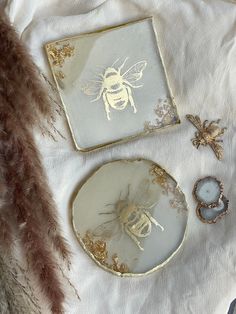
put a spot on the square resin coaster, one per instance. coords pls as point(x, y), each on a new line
point(112, 84)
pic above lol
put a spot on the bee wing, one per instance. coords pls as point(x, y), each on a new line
point(218, 150)
point(195, 120)
point(107, 229)
point(144, 195)
point(135, 72)
point(91, 88)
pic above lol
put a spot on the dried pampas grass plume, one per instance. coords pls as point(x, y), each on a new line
point(16, 294)
point(28, 208)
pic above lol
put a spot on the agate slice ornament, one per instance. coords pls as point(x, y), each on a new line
point(212, 215)
point(208, 191)
point(212, 204)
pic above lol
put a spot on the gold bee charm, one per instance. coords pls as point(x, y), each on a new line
point(209, 133)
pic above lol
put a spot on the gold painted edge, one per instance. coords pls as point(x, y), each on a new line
point(93, 172)
point(102, 30)
point(128, 138)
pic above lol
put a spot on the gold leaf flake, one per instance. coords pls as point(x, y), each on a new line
point(58, 53)
point(98, 248)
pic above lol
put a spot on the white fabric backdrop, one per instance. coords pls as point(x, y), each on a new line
point(198, 43)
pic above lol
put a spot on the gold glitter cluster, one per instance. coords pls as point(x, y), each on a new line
point(160, 176)
point(166, 114)
point(178, 201)
point(59, 54)
point(99, 250)
point(59, 75)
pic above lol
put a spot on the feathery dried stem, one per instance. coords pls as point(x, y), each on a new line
point(16, 296)
point(16, 293)
point(23, 105)
point(6, 238)
point(22, 73)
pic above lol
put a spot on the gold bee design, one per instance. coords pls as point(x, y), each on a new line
point(133, 217)
point(209, 133)
point(115, 87)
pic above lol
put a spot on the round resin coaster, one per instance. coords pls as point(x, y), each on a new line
point(130, 217)
point(208, 192)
